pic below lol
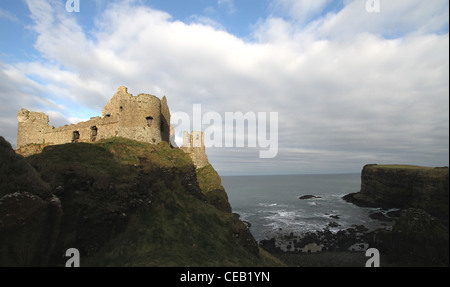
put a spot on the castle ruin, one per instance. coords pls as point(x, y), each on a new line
point(194, 145)
point(143, 118)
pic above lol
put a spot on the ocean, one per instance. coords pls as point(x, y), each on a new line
point(272, 206)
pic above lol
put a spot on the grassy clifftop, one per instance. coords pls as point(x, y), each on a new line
point(128, 203)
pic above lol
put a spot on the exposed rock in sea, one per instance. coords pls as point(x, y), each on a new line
point(309, 197)
point(333, 224)
point(321, 240)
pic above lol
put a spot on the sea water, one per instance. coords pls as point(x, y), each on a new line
point(271, 204)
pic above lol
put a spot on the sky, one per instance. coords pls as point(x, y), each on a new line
point(352, 82)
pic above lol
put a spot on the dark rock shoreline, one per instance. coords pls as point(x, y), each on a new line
point(416, 239)
point(323, 248)
point(350, 239)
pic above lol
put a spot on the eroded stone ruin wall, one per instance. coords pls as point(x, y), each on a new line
point(194, 145)
point(143, 118)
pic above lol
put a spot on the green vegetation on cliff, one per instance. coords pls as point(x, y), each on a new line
point(211, 185)
point(128, 203)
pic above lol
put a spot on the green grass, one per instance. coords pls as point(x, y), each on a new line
point(425, 171)
point(402, 166)
point(178, 230)
point(209, 179)
point(174, 233)
point(211, 185)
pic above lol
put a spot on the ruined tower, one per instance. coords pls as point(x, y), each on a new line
point(194, 145)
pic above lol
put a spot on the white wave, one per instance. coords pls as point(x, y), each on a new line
point(267, 204)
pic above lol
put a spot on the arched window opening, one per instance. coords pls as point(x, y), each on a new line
point(75, 136)
point(94, 132)
point(149, 121)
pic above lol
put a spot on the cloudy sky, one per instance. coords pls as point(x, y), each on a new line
point(352, 82)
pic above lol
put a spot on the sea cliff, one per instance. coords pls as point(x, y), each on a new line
point(420, 235)
point(405, 186)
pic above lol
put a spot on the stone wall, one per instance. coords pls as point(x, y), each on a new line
point(193, 144)
point(165, 121)
point(143, 118)
point(31, 128)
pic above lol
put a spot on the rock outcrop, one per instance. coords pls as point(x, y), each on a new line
point(418, 239)
point(29, 214)
point(403, 186)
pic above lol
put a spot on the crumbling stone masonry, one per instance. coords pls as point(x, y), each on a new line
point(194, 145)
point(143, 118)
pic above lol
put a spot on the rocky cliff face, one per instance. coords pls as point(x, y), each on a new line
point(418, 239)
point(30, 215)
point(120, 203)
point(403, 186)
point(420, 235)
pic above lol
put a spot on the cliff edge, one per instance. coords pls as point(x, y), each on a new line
point(120, 202)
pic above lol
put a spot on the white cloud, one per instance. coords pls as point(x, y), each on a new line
point(395, 19)
point(311, 20)
point(341, 102)
point(206, 21)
